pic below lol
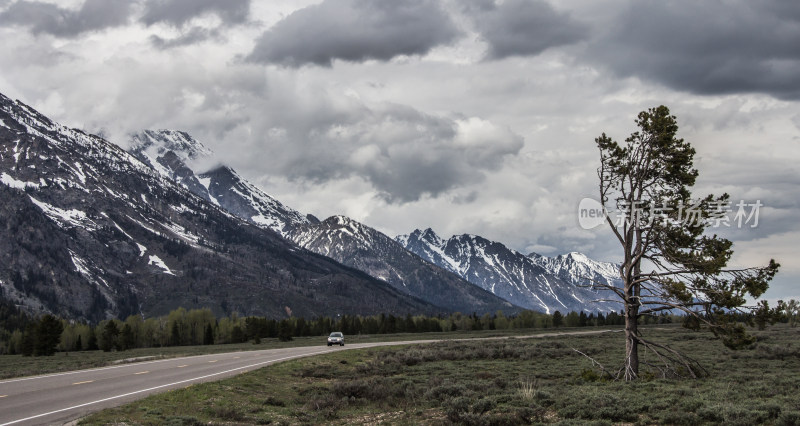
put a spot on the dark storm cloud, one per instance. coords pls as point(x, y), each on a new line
point(179, 12)
point(355, 30)
point(522, 27)
point(710, 47)
point(403, 153)
point(48, 18)
point(193, 36)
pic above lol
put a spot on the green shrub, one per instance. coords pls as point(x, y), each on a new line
point(679, 418)
point(781, 352)
point(788, 418)
point(483, 405)
point(226, 413)
point(446, 390)
point(182, 421)
point(273, 401)
point(590, 375)
point(601, 407)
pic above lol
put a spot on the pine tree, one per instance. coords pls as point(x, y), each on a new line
point(126, 338)
point(91, 342)
point(48, 335)
point(28, 340)
point(670, 262)
point(558, 319)
point(208, 336)
point(238, 335)
point(175, 334)
point(108, 337)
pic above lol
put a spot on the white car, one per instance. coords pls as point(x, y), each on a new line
point(336, 338)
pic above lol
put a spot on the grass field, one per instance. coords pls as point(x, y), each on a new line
point(495, 382)
point(18, 365)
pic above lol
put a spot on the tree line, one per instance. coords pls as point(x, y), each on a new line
point(22, 334)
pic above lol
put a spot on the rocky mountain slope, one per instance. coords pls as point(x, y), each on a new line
point(169, 152)
point(505, 272)
point(89, 231)
point(355, 244)
point(340, 238)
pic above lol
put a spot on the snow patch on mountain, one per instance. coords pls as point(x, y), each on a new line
point(8, 180)
point(157, 262)
point(155, 143)
point(65, 218)
point(579, 269)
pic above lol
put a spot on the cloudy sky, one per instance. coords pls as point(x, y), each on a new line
point(471, 116)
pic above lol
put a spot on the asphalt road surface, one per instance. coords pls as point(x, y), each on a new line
point(61, 397)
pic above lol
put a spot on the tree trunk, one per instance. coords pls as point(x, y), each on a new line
point(632, 304)
point(631, 342)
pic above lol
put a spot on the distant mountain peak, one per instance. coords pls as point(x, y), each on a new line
point(577, 256)
point(578, 268)
point(342, 221)
point(169, 152)
point(221, 171)
point(157, 142)
point(427, 234)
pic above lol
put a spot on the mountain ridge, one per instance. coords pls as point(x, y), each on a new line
point(503, 271)
point(360, 246)
point(341, 238)
point(88, 231)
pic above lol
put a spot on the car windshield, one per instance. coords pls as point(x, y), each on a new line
point(336, 334)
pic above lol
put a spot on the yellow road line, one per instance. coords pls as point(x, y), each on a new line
point(141, 372)
point(83, 383)
point(214, 360)
point(3, 396)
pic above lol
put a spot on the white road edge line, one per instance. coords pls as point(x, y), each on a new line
point(166, 385)
point(132, 364)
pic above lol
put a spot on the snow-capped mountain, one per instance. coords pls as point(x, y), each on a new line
point(167, 152)
point(171, 153)
point(576, 268)
point(339, 238)
point(359, 246)
point(89, 231)
point(533, 282)
point(155, 143)
point(505, 272)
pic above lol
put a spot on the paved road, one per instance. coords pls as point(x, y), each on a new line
point(62, 397)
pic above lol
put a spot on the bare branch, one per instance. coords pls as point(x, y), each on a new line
point(597, 363)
